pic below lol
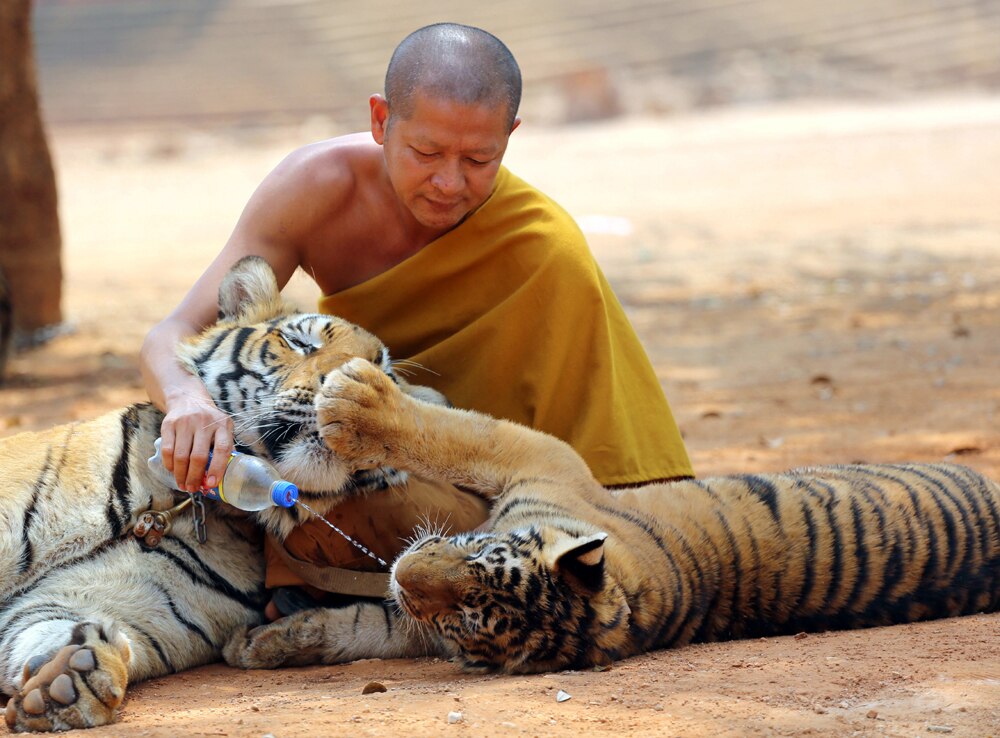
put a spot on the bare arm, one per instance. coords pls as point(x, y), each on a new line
point(279, 218)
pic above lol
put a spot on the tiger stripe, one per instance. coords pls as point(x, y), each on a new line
point(119, 494)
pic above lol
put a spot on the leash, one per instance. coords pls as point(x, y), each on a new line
point(334, 578)
point(152, 525)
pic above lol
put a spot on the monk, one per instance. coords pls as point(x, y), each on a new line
point(416, 232)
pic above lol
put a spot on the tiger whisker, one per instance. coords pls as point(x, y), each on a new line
point(414, 364)
point(273, 431)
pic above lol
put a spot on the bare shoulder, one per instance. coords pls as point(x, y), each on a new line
point(325, 169)
point(322, 209)
point(312, 187)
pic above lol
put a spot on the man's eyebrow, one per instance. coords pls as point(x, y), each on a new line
point(481, 151)
point(484, 151)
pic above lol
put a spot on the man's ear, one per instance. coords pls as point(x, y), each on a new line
point(517, 122)
point(380, 117)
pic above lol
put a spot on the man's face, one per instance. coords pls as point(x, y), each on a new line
point(443, 158)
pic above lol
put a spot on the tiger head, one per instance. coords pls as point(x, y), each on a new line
point(528, 600)
point(263, 363)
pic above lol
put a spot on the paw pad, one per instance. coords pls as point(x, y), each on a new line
point(62, 690)
point(82, 660)
point(34, 703)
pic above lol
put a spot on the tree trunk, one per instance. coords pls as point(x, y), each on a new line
point(30, 242)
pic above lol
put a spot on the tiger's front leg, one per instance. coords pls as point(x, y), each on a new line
point(368, 421)
point(81, 685)
point(320, 635)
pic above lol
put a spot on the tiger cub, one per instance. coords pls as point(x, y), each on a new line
point(570, 575)
point(86, 607)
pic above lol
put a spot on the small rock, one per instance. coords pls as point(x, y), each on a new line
point(454, 717)
point(373, 687)
point(801, 636)
point(939, 729)
point(562, 696)
point(871, 714)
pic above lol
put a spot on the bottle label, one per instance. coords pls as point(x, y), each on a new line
point(217, 492)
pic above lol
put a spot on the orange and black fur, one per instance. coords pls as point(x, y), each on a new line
point(570, 575)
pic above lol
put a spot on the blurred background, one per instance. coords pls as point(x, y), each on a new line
point(261, 62)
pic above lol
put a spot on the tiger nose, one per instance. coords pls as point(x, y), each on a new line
point(428, 580)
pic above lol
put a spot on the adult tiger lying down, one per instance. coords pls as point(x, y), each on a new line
point(86, 607)
point(569, 575)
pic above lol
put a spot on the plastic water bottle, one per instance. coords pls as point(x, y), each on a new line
point(249, 483)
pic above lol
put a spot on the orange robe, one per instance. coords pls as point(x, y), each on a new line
point(511, 316)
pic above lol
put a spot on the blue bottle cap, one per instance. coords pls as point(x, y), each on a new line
point(284, 494)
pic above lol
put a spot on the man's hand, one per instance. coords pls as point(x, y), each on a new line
point(192, 427)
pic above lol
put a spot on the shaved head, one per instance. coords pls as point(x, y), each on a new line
point(458, 63)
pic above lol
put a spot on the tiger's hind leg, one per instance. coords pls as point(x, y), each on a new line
point(81, 685)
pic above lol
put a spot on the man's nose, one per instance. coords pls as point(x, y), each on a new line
point(448, 178)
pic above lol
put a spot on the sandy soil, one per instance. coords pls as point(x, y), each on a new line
point(814, 284)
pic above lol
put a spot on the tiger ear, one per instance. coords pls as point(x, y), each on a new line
point(250, 287)
point(583, 558)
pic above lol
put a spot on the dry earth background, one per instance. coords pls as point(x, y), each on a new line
point(814, 284)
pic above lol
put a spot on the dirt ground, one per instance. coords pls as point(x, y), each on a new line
point(814, 284)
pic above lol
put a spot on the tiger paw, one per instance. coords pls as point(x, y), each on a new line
point(294, 640)
point(81, 686)
point(359, 411)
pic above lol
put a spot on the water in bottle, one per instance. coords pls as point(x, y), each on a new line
point(252, 484)
point(249, 483)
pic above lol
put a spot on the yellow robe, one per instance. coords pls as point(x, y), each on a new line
point(510, 315)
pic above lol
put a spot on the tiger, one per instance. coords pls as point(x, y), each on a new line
point(570, 575)
point(87, 607)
